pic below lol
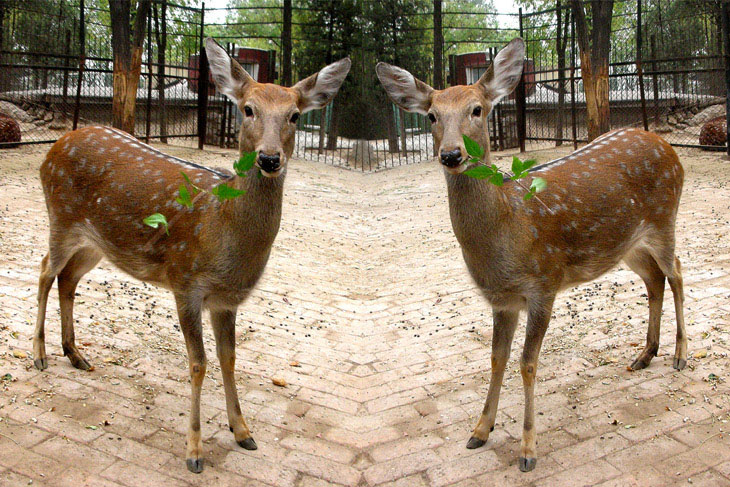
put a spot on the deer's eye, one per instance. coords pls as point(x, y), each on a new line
point(248, 111)
point(477, 112)
point(432, 117)
point(294, 118)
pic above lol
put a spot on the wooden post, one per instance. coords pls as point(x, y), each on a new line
point(161, 36)
point(521, 102)
point(438, 47)
point(726, 57)
point(639, 70)
point(202, 83)
point(573, 110)
point(82, 62)
point(148, 106)
point(286, 46)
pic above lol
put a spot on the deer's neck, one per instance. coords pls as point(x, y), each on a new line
point(479, 212)
point(255, 216)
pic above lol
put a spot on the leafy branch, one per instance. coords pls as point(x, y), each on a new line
point(186, 197)
point(495, 176)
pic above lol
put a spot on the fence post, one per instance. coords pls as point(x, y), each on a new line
point(202, 83)
point(639, 70)
point(286, 75)
point(726, 57)
point(148, 107)
point(82, 62)
point(573, 110)
point(520, 102)
point(438, 47)
point(655, 81)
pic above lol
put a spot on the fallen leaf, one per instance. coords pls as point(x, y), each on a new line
point(700, 353)
point(19, 354)
point(278, 382)
point(294, 363)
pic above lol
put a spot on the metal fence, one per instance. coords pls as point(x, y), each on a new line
point(665, 73)
point(56, 60)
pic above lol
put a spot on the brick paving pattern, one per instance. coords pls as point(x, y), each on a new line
point(368, 314)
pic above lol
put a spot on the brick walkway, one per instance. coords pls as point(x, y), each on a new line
point(367, 312)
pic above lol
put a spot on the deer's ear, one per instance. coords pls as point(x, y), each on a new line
point(503, 75)
point(409, 93)
point(230, 78)
point(319, 89)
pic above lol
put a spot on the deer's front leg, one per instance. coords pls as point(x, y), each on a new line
point(224, 327)
point(537, 322)
point(504, 324)
point(189, 311)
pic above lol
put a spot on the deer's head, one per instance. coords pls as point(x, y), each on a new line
point(270, 112)
point(458, 110)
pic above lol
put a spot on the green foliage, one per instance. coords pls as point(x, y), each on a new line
point(155, 220)
point(244, 164)
point(495, 176)
point(223, 192)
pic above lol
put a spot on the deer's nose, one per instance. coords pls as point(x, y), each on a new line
point(269, 163)
point(451, 158)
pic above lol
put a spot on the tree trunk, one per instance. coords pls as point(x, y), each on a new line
point(594, 62)
point(127, 48)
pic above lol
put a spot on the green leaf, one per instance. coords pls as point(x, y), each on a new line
point(472, 148)
point(517, 166)
point(497, 179)
point(155, 220)
point(244, 164)
point(528, 164)
point(187, 180)
point(184, 198)
point(258, 174)
point(529, 195)
point(479, 172)
point(224, 192)
point(538, 185)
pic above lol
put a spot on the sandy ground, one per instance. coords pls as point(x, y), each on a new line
point(368, 314)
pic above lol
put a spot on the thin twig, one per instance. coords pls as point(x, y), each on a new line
point(9, 438)
point(528, 190)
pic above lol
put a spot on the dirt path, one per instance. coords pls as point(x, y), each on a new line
point(367, 312)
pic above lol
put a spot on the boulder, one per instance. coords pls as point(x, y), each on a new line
point(708, 114)
point(14, 112)
point(714, 132)
point(9, 131)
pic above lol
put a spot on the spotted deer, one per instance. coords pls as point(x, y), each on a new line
point(100, 183)
point(614, 199)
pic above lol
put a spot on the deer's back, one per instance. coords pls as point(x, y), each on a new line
point(101, 183)
point(612, 196)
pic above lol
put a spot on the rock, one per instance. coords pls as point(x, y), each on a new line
point(362, 156)
point(9, 131)
point(278, 382)
point(714, 132)
point(59, 123)
point(662, 128)
point(48, 116)
point(707, 114)
point(14, 112)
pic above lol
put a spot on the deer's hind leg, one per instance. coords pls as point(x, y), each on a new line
point(45, 282)
point(79, 264)
point(642, 262)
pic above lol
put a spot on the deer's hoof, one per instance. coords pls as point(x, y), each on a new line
point(474, 443)
point(527, 464)
point(42, 363)
point(195, 465)
point(248, 444)
point(679, 363)
point(639, 364)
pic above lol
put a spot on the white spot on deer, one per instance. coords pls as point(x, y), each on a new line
point(197, 229)
point(629, 152)
point(71, 151)
point(656, 154)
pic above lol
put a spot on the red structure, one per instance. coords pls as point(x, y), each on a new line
point(466, 69)
point(259, 63)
